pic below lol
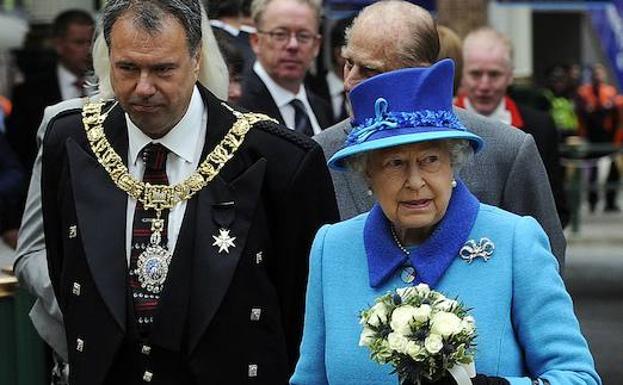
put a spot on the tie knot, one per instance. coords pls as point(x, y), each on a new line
point(155, 156)
point(298, 105)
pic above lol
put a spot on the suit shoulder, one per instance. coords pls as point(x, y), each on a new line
point(285, 135)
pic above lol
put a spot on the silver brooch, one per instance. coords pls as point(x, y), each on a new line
point(472, 250)
point(223, 241)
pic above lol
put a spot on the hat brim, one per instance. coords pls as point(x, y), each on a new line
point(337, 160)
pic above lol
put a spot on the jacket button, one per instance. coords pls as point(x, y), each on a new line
point(255, 314)
point(252, 370)
point(79, 344)
point(147, 376)
point(146, 350)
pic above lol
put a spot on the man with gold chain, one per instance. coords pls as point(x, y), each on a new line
point(177, 228)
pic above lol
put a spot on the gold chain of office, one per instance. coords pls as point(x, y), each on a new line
point(160, 197)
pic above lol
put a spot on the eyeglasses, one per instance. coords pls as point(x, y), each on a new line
point(282, 36)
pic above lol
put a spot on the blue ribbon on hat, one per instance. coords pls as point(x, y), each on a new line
point(432, 257)
point(386, 120)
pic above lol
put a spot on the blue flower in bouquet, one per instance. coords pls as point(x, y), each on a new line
point(420, 332)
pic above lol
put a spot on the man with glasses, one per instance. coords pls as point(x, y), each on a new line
point(286, 43)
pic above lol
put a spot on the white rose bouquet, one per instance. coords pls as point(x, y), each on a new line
point(423, 334)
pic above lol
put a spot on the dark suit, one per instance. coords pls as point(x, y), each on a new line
point(29, 100)
point(202, 333)
point(257, 98)
point(541, 126)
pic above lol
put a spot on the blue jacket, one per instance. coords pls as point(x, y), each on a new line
point(524, 316)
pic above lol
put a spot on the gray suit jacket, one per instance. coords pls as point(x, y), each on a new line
point(31, 266)
point(508, 173)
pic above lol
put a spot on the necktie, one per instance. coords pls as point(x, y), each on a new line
point(302, 123)
point(145, 302)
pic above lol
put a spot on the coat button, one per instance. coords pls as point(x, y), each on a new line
point(252, 370)
point(76, 289)
point(146, 350)
point(147, 376)
point(255, 314)
point(73, 231)
point(79, 344)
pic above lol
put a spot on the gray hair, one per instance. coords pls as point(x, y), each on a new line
point(212, 69)
point(460, 151)
point(488, 39)
point(149, 14)
point(258, 7)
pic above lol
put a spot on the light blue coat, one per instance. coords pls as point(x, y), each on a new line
point(524, 315)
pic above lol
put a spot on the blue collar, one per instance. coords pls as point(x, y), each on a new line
point(431, 258)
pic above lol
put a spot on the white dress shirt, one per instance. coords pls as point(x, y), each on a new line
point(67, 83)
point(283, 97)
point(185, 143)
point(500, 113)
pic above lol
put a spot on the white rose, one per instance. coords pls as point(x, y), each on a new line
point(446, 304)
point(398, 342)
point(367, 337)
point(401, 319)
point(415, 351)
point(422, 288)
point(468, 324)
point(406, 293)
point(422, 313)
point(433, 343)
point(445, 324)
point(378, 314)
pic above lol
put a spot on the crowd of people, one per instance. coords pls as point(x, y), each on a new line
point(177, 157)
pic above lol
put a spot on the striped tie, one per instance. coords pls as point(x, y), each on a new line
point(145, 303)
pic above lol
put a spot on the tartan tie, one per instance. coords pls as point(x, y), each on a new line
point(302, 123)
point(145, 303)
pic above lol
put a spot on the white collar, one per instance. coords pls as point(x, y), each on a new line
point(500, 113)
point(180, 140)
point(65, 76)
point(280, 95)
point(335, 84)
point(224, 26)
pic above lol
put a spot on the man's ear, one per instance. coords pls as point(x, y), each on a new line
point(254, 39)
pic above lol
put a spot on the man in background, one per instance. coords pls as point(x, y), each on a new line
point(72, 32)
point(508, 173)
point(286, 44)
point(487, 74)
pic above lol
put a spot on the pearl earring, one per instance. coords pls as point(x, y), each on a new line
point(369, 192)
point(453, 184)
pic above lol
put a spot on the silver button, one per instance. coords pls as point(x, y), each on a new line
point(79, 344)
point(76, 289)
point(258, 257)
point(252, 370)
point(73, 231)
point(147, 376)
point(255, 314)
point(146, 350)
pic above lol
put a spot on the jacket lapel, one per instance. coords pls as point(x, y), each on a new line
point(100, 208)
point(220, 205)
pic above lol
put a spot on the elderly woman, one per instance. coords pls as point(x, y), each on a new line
point(428, 228)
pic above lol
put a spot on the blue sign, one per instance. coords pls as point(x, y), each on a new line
point(607, 22)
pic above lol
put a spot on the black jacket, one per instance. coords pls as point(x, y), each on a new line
point(203, 333)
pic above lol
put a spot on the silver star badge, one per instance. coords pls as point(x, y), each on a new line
point(472, 250)
point(223, 241)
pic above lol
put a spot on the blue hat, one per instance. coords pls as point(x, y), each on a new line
point(402, 107)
